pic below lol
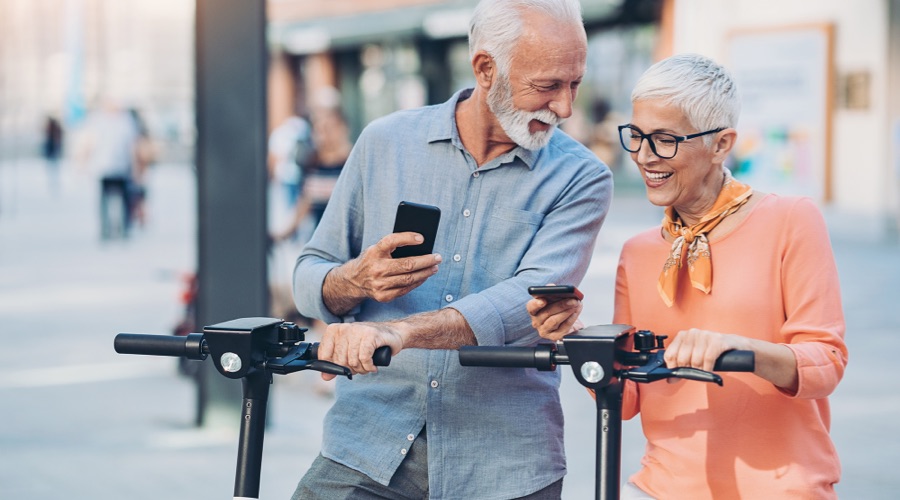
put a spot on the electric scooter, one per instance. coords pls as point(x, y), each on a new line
point(602, 358)
point(250, 349)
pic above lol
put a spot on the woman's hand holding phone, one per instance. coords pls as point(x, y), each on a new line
point(554, 310)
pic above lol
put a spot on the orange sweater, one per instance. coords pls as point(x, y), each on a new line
point(775, 279)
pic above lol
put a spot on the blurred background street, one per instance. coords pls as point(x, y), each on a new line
point(214, 103)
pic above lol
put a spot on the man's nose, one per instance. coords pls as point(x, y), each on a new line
point(562, 103)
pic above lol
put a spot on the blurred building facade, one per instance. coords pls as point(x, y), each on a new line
point(64, 57)
point(819, 120)
point(386, 55)
point(60, 56)
point(843, 60)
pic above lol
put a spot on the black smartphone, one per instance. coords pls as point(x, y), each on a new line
point(418, 218)
point(556, 292)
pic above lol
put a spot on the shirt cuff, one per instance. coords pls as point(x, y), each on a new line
point(483, 319)
point(308, 299)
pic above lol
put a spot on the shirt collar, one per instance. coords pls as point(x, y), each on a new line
point(444, 129)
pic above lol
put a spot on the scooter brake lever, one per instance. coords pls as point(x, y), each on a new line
point(329, 367)
point(696, 374)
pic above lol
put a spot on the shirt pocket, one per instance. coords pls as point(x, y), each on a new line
point(505, 239)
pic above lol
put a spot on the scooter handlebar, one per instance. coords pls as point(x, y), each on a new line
point(539, 356)
point(736, 361)
point(190, 346)
point(381, 357)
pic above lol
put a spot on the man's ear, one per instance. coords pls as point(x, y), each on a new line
point(484, 68)
point(724, 143)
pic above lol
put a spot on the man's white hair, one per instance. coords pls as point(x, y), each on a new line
point(496, 25)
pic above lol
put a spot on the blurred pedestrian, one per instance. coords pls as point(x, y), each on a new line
point(775, 292)
point(321, 171)
point(289, 147)
point(52, 149)
point(111, 152)
point(144, 157)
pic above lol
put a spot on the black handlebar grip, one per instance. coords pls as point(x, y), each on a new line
point(736, 361)
point(499, 356)
point(157, 345)
point(381, 356)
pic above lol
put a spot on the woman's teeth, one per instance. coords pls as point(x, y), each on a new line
point(658, 176)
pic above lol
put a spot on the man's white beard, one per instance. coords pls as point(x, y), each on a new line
point(515, 121)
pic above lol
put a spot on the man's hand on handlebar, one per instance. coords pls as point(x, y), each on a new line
point(353, 344)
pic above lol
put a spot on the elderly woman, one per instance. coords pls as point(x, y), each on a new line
point(774, 292)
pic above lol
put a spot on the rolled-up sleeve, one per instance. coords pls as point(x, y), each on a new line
point(814, 326)
point(560, 252)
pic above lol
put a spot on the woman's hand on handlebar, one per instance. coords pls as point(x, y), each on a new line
point(554, 319)
point(697, 348)
point(700, 349)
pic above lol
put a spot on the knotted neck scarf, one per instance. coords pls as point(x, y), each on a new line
point(693, 238)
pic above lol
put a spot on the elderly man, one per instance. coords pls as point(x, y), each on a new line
point(521, 205)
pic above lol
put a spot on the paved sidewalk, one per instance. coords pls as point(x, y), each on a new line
point(80, 421)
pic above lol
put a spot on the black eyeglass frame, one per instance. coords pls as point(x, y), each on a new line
point(677, 138)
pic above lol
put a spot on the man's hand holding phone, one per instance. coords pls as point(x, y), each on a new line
point(554, 310)
point(384, 278)
point(391, 268)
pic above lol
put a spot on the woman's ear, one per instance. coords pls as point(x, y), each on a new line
point(485, 68)
point(724, 143)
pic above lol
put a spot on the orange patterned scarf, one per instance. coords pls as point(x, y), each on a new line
point(732, 196)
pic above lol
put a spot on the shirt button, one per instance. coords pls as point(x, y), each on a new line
point(476, 174)
point(448, 298)
point(466, 213)
point(456, 258)
point(403, 451)
point(410, 437)
point(434, 384)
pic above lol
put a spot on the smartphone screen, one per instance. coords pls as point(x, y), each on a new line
point(556, 292)
point(418, 218)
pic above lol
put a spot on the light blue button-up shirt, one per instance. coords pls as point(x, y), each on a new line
point(524, 218)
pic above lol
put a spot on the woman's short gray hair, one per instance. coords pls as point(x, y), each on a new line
point(496, 25)
point(703, 90)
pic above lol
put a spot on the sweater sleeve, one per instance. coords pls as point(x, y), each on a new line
point(814, 320)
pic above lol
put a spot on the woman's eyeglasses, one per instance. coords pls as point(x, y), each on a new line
point(662, 144)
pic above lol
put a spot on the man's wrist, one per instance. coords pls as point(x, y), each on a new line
point(339, 293)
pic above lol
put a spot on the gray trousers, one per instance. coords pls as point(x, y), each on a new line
point(329, 480)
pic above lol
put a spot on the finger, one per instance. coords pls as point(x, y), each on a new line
point(424, 265)
point(353, 356)
point(339, 343)
point(559, 324)
point(534, 306)
point(326, 345)
point(394, 240)
point(678, 353)
point(365, 353)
